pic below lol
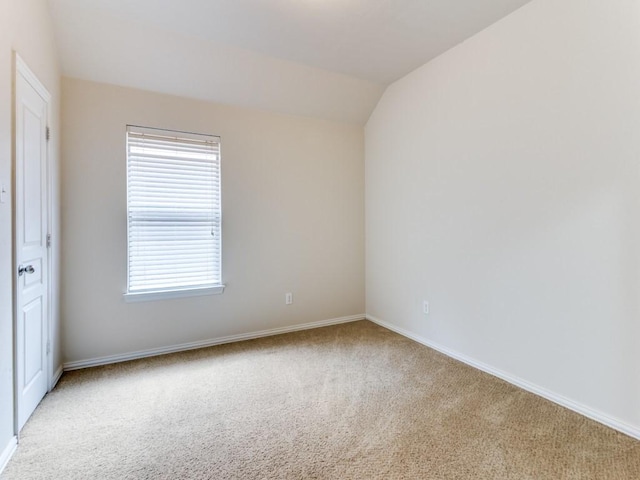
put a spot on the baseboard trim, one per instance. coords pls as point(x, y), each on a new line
point(56, 377)
point(8, 452)
point(577, 407)
point(94, 362)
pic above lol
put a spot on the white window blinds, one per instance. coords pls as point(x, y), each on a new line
point(173, 208)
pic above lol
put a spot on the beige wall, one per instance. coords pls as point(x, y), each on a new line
point(25, 27)
point(502, 184)
point(293, 221)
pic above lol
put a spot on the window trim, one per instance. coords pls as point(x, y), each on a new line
point(170, 292)
point(167, 294)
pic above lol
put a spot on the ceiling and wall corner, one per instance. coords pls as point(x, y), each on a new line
point(330, 59)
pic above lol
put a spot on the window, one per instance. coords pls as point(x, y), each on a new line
point(174, 214)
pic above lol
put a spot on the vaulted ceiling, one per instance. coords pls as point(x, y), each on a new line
point(324, 58)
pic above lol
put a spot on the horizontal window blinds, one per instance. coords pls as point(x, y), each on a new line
point(174, 211)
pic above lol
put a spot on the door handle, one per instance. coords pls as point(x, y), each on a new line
point(28, 269)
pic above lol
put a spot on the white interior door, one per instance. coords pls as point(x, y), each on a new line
point(31, 225)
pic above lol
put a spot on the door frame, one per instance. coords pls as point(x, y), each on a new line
point(20, 67)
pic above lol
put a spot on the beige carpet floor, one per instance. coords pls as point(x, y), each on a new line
point(352, 401)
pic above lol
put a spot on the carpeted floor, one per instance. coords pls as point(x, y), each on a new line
point(352, 401)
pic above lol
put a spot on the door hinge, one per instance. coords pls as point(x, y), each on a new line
point(48, 347)
point(48, 240)
point(48, 134)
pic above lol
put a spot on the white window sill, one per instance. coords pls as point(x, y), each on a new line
point(166, 294)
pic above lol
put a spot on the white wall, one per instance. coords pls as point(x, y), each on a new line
point(25, 27)
point(293, 221)
point(502, 184)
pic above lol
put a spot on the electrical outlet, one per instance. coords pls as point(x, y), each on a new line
point(425, 307)
point(288, 298)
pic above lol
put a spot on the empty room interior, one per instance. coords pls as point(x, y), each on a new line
point(328, 239)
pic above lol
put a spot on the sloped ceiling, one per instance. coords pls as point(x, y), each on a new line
point(330, 59)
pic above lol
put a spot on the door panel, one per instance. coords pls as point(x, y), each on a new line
point(32, 316)
point(32, 179)
point(31, 253)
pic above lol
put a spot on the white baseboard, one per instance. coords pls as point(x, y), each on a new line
point(94, 362)
point(56, 377)
point(8, 452)
point(577, 407)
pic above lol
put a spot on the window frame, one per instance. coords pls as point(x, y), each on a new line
point(171, 291)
